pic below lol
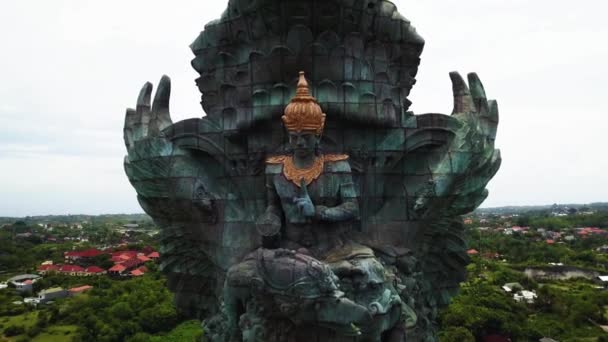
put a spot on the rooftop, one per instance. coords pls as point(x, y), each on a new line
point(51, 290)
point(23, 277)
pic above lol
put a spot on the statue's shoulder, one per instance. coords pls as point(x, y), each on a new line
point(274, 164)
point(337, 163)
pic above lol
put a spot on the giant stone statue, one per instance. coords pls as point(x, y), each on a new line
point(309, 204)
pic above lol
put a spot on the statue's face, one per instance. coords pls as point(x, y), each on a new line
point(303, 143)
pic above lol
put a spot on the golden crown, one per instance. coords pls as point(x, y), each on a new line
point(303, 113)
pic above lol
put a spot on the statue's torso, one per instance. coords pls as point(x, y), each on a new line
point(332, 187)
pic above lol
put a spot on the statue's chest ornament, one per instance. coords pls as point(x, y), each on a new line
point(293, 174)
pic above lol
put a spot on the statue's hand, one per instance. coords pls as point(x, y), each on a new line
point(472, 105)
point(145, 121)
point(303, 201)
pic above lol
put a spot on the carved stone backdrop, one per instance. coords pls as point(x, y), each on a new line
point(204, 180)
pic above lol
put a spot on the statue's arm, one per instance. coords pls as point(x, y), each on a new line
point(269, 223)
point(274, 202)
point(348, 209)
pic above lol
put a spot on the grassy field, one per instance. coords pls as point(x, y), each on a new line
point(25, 320)
point(189, 331)
point(58, 333)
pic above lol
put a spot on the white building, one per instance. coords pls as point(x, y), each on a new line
point(51, 294)
point(525, 295)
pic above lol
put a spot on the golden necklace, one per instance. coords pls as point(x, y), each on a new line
point(309, 174)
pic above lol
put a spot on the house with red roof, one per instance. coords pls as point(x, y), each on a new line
point(490, 255)
point(132, 263)
point(94, 270)
point(128, 254)
point(140, 271)
point(72, 256)
point(73, 270)
point(518, 229)
point(46, 269)
point(143, 258)
point(78, 290)
point(472, 252)
point(154, 256)
point(589, 231)
point(137, 273)
point(117, 270)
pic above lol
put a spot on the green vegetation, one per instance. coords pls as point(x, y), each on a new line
point(57, 333)
point(112, 311)
point(544, 220)
point(141, 309)
point(189, 331)
point(565, 310)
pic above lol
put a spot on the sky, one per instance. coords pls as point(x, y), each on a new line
point(70, 68)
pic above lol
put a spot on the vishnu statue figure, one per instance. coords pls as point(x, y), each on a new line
point(312, 192)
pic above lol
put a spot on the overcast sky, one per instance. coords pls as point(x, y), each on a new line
point(69, 68)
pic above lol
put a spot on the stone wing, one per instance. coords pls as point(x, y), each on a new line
point(184, 181)
point(417, 181)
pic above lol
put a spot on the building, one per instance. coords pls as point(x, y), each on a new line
point(48, 295)
point(602, 280)
point(24, 283)
point(137, 273)
point(78, 290)
point(46, 269)
point(490, 255)
point(94, 270)
point(73, 256)
point(512, 287)
point(143, 258)
point(472, 252)
point(117, 270)
point(73, 270)
point(525, 295)
point(140, 271)
point(590, 231)
point(602, 249)
point(154, 256)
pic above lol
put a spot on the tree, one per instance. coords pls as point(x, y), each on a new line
point(456, 334)
point(14, 330)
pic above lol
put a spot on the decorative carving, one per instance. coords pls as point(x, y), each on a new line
point(303, 113)
point(295, 175)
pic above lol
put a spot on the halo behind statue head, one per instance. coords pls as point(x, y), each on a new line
point(303, 113)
